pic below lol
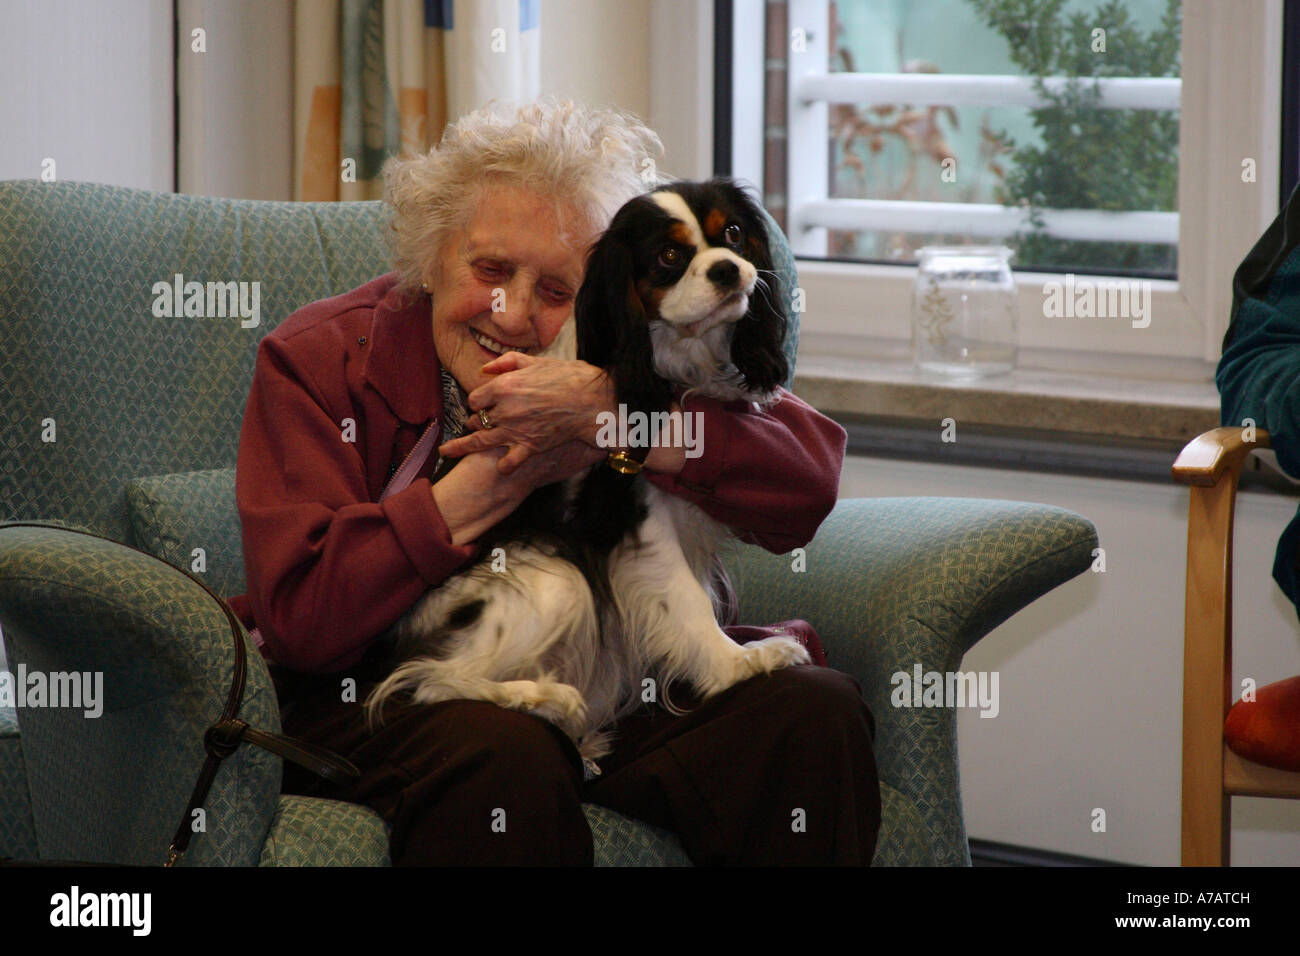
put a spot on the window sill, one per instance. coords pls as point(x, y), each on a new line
point(1033, 399)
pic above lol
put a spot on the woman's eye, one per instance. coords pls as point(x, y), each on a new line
point(732, 235)
point(490, 271)
point(670, 256)
point(556, 295)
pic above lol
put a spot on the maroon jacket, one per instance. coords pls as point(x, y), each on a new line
point(329, 569)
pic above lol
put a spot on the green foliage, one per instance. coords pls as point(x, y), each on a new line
point(1090, 158)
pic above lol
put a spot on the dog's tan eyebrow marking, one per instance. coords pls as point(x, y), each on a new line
point(714, 222)
point(678, 232)
point(676, 207)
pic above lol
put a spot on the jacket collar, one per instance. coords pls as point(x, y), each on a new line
point(402, 364)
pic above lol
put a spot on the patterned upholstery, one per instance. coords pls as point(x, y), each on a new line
point(622, 841)
point(112, 787)
point(787, 278)
point(131, 394)
point(904, 838)
point(17, 827)
point(173, 515)
point(309, 831)
point(939, 574)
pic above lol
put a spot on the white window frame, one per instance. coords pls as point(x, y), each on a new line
point(1230, 111)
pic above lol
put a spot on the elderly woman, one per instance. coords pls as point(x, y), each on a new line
point(490, 232)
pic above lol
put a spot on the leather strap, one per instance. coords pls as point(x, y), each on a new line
point(322, 762)
point(223, 737)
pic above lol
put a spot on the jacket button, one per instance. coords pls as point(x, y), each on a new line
point(361, 341)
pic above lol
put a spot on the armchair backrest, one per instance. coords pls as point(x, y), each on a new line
point(98, 386)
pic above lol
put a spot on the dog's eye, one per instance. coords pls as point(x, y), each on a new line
point(732, 235)
point(670, 256)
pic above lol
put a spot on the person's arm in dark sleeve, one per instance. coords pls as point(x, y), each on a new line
point(328, 569)
point(1259, 373)
point(771, 476)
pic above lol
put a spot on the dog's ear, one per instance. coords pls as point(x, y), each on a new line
point(612, 325)
point(603, 301)
point(758, 344)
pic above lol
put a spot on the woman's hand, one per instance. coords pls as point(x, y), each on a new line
point(474, 496)
point(535, 405)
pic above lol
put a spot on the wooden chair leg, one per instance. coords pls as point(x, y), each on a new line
point(1207, 672)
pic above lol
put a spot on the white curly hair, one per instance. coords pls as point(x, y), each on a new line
point(587, 161)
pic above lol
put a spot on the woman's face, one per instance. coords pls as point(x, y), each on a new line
point(506, 283)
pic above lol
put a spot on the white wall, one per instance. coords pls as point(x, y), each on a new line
point(88, 84)
point(652, 57)
point(597, 52)
point(1090, 675)
point(236, 98)
point(681, 84)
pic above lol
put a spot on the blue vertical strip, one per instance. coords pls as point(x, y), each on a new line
point(437, 14)
point(529, 11)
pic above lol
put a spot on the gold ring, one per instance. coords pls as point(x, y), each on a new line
point(483, 418)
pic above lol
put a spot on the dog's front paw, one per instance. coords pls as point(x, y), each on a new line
point(773, 653)
point(769, 654)
point(561, 704)
point(754, 658)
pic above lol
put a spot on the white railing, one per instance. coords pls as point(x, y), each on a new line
point(987, 219)
point(975, 89)
point(810, 211)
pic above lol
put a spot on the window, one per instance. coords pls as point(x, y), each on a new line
point(864, 162)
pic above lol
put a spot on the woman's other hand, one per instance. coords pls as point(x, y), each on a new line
point(474, 496)
point(536, 405)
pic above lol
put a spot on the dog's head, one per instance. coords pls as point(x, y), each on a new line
point(680, 292)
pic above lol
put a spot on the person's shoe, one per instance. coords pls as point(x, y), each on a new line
point(1267, 729)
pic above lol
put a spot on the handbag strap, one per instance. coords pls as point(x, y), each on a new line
point(223, 737)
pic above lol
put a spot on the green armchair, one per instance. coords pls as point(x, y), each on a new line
point(120, 416)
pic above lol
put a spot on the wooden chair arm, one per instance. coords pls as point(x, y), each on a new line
point(1211, 464)
point(1208, 456)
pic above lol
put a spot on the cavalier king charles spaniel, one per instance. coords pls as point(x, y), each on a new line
point(603, 589)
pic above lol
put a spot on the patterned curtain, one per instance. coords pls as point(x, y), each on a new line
point(376, 78)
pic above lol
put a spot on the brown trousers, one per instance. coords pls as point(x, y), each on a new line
point(778, 769)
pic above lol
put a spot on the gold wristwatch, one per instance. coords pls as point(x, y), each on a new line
point(628, 462)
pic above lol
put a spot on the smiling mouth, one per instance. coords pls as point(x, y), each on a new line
point(492, 345)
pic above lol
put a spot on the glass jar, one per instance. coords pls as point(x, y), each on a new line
point(964, 311)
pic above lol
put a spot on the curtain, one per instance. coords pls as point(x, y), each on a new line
point(377, 78)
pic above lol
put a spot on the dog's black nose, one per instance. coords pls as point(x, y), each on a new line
point(724, 273)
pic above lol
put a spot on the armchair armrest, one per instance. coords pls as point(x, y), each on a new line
point(110, 781)
point(889, 582)
point(892, 583)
